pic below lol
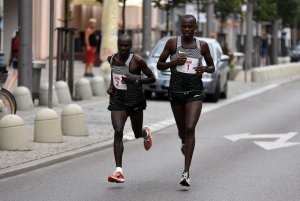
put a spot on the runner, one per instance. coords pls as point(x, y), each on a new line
point(127, 99)
point(186, 91)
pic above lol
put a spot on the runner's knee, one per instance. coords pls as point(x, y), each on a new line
point(118, 134)
point(190, 131)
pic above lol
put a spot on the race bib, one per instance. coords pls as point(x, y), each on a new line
point(117, 80)
point(189, 66)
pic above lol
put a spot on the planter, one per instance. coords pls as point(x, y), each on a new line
point(233, 73)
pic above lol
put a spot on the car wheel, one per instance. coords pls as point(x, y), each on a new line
point(215, 97)
point(148, 94)
point(160, 95)
point(225, 92)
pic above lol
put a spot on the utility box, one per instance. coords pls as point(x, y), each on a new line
point(37, 67)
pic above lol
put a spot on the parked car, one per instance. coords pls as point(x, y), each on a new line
point(295, 54)
point(215, 85)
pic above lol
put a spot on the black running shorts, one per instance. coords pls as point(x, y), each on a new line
point(129, 109)
point(181, 98)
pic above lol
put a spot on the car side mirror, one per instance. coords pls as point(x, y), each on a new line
point(224, 58)
point(146, 54)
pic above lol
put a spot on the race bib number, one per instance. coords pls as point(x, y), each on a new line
point(189, 66)
point(117, 80)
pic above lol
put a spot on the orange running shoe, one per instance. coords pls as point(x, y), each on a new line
point(148, 139)
point(117, 177)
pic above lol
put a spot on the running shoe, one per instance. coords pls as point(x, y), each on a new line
point(182, 148)
point(185, 180)
point(148, 139)
point(117, 177)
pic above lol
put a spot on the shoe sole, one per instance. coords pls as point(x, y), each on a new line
point(150, 138)
point(114, 180)
point(184, 183)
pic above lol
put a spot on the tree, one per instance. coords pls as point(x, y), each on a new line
point(67, 13)
point(225, 8)
point(265, 10)
point(168, 5)
point(123, 13)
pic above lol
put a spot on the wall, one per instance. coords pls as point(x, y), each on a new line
point(41, 25)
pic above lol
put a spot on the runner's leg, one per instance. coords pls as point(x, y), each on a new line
point(179, 115)
point(136, 119)
point(192, 114)
point(118, 119)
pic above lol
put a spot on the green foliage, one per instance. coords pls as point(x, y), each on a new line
point(169, 4)
point(269, 10)
point(265, 10)
point(288, 10)
point(227, 7)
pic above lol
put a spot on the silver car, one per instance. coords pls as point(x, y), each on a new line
point(215, 84)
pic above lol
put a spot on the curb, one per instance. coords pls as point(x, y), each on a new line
point(32, 165)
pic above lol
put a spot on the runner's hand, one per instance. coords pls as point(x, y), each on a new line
point(200, 69)
point(180, 60)
point(110, 91)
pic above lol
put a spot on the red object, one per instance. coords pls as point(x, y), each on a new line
point(15, 47)
point(188, 62)
point(90, 55)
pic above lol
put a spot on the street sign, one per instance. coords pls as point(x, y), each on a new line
point(281, 141)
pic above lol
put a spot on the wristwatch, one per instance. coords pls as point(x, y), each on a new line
point(205, 69)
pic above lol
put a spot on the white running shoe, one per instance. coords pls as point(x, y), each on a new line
point(185, 180)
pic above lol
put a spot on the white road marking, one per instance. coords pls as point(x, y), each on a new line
point(267, 145)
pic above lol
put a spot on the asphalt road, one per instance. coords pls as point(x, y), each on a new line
point(222, 170)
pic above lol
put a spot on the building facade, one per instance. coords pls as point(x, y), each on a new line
point(80, 13)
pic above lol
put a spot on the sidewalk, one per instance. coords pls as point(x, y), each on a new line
point(99, 126)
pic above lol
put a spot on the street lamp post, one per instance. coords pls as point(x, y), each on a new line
point(210, 17)
point(51, 29)
point(25, 46)
point(146, 25)
point(249, 38)
point(165, 5)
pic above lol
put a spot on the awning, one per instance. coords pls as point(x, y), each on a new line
point(138, 3)
point(85, 2)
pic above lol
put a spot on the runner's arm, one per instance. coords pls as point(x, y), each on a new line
point(169, 49)
point(210, 68)
point(147, 71)
point(141, 64)
point(110, 88)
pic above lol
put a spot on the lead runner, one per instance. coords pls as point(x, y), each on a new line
point(186, 91)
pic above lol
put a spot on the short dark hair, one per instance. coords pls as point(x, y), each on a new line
point(188, 16)
point(125, 36)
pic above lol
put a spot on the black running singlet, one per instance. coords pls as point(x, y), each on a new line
point(184, 78)
point(125, 94)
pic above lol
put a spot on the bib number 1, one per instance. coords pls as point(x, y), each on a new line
point(189, 66)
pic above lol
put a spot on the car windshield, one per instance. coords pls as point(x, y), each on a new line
point(159, 48)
